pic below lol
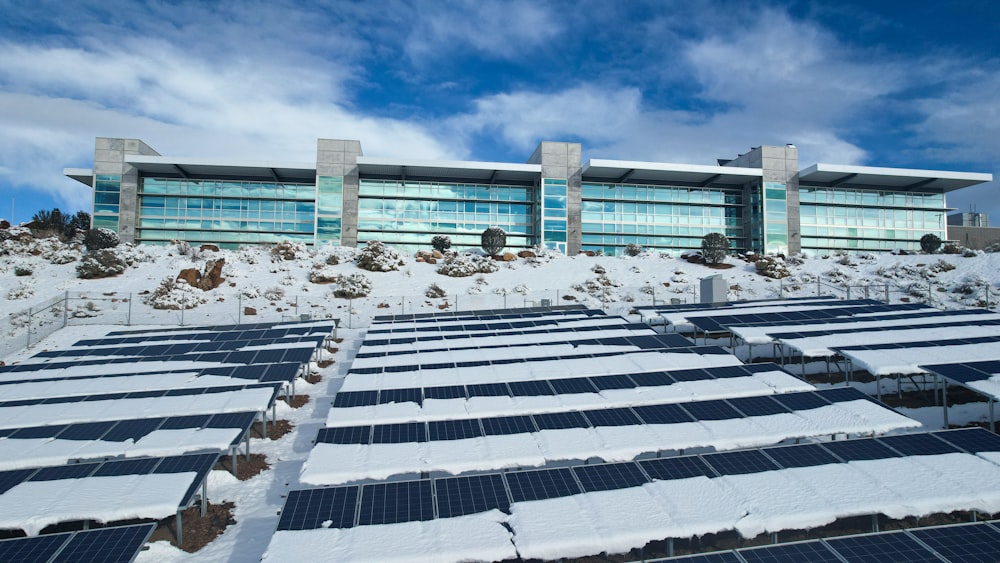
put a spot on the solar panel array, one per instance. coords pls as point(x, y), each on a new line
point(108, 545)
point(56, 409)
point(720, 323)
point(960, 543)
point(664, 413)
point(405, 501)
point(449, 340)
point(681, 307)
point(487, 314)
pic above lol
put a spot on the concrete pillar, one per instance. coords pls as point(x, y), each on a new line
point(563, 161)
point(109, 159)
point(339, 158)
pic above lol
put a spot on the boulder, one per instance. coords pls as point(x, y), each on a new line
point(213, 275)
point(527, 254)
point(211, 247)
point(431, 260)
point(509, 257)
point(249, 311)
point(589, 253)
point(4, 224)
point(437, 255)
point(190, 275)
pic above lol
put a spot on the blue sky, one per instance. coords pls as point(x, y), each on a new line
point(901, 84)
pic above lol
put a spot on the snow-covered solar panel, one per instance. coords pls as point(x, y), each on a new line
point(887, 546)
point(906, 358)
point(226, 328)
point(846, 309)
point(209, 336)
point(204, 359)
point(119, 544)
point(157, 350)
point(35, 498)
point(981, 376)
point(580, 434)
point(463, 340)
point(746, 490)
point(521, 312)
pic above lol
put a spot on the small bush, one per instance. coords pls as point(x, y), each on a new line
point(175, 295)
point(441, 243)
point(772, 267)
point(322, 273)
point(714, 248)
point(352, 286)
point(22, 291)
point(435, 291)
point(493, 240)
point(930, 243)
point(23, 270)
point(274, 293)
point(377, 257)
point(633, 249)
point(464, 266)
point(100, 238)
point(104, 263)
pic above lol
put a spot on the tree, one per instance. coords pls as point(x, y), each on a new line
point(77, 223)
point(441, 243)
point(930, 243)
point(493, 240)
point(714, 248)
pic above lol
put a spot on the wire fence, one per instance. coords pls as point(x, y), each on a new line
point(28, 327)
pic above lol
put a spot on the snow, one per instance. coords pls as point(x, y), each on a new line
point(97, 385)
point(818, 346)
point(416, 359)
point(903, 361)
point(498, 338)
point(253, 399)
point(38, 452)
point(476, 537)
point(762, 334)
point(33, 505)
point(762, 383)
point(333, 464)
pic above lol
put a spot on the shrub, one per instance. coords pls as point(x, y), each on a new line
point(175, 295)
point(633, 249)
point(274, 293)
point(377, 257)
point(322, 273)
point(23, 270)
point(930, 243)
point(100, 238)
point(101, 264)
point(441, 243)
point(464, 266)
point(714, 248)
point(493, 240)
point(772, 267)
point(352, 286)
point(435, 291)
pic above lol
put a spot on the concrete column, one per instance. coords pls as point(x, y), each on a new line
point(109, 158)
point(563, 161)
point(336, 157)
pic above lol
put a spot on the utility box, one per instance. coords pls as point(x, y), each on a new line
point(713, 289)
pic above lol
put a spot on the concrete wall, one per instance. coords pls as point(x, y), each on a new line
point(974, 237)
point(109, 158)
point(779, 164)
point(564, 161)
point(336, 157)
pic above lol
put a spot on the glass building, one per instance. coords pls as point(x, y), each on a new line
point(760, 200)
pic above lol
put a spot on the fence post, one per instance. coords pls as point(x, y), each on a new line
point(818, 286)
point(183, 305)
point(239, 309)
point(128, 314)
point(28, 345)
point(887, 293)
point(350, 312)
point(781, 288)
point(65, 308)
point(848, 293)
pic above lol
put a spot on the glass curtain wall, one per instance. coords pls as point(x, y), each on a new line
point(107, 195)
point(554, 214)
point(407, 215)
point(657, 217)
point(227, 213)
point(868, 219)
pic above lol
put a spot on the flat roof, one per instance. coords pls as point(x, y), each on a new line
point(479, 172)
point(635, 172)
point(83, 175)
point(205, 167)
point(902, 179)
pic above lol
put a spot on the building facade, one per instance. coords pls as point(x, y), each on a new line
point(761, 200)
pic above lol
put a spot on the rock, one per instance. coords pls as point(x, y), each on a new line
point(4, 224)
point(213, 275)
point(190, 275)
point(437, 255)
point(527, 254)
point(419, 258)
point(431, 260)
point(589, 253)
point(211, 247)
point(509, 257)
point(249, 311)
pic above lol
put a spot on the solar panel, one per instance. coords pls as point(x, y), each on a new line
point(400, 396)
point(453, 429)
point(740, 462)
point(445, 392)
point(811, 551)
point(508, 425)
point(801, 401)
point(612, 417)
point(345, 435)
point(802, 455)
point(718, 557)
point(38, 549)
point(87, 431)
point(542, 484)
point(560, 420)
point(132, 429)
point(652, 379)
point(857, 450)
point(457, 496)
point(711, 410)
point(689, 375)
point(669, 468)
point(75, 471)
point(37, 432)
point(308, 509)
point(488, 390)
point(571, 385)
point(918, 444)
point(108, 545)
point(662, 414)
point(972, 440)
point(140, 466)
point(530, 388)
point(10, 479)
point(399, 433)
point(355, 399)
point(388, 503)
point(879, 548)
point(968, 543)
point(757, 406)
point(187, 421)
point(613, 382)
point(608, 476)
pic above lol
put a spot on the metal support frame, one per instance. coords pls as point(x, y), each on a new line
point(204, 496)
point(179, 528)
point(944, 403)
point(234, 457)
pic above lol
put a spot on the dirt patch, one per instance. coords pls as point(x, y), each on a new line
point(338, 340)
point(720, 266)
point(245, 468)
point(275, 430)
point(322, 364)
point(198, 530)
point(296, 401)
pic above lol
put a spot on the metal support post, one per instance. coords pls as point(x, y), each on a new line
point(233, 457)
point(670, 547)
point(128, 318)
point(65, 309)
point(179, 525)
point(874, 522)
point(247, 457)
point(263, 424)
point(944, 402)
point(992, 419)
point(204, 497)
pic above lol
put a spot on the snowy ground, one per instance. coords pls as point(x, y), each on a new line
point(251, 273)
